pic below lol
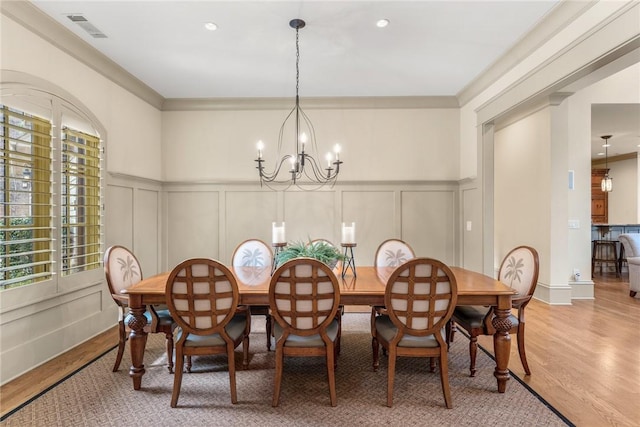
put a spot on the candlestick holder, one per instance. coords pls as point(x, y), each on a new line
point(349, 260)
point(277, 248)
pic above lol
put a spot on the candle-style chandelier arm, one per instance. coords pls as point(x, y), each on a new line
point(303, 161)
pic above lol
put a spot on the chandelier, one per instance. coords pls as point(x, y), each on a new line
point(300, 166)
point(607, 183)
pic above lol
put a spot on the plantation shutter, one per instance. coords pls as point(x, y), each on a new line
point(26, 245)
point(81, 158)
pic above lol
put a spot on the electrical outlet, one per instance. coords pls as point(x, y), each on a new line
point(576, 274)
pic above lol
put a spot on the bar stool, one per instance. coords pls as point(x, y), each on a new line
point(605, 252)
point(622, 258)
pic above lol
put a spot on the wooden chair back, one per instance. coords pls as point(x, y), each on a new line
point(202, 295)
point(519, 270)
point(392, 253)
point(252, 253)
point(304, 295)
point(122, 270)
point(420, 297)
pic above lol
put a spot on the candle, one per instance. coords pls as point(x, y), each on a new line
point(277, 233)
point(336, 149)
point(329, 158)
point(260, 147)
point(349, 233)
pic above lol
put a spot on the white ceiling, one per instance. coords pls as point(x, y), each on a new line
point(430, 48)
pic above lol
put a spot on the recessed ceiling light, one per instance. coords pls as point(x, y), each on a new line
point(600, 154)
point(211, 26)
point(382, 23)
point(606, 145)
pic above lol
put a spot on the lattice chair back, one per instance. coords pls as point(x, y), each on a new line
point(519, 270)
point(122, 270)
point(421, 296)
point(392, 253)
point(202, 295)
point(252, 253)
point(304, 295)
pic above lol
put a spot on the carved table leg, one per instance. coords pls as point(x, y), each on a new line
point(137, 340)
point(502, 346)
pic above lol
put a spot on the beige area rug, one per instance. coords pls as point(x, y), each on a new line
point(94, 396)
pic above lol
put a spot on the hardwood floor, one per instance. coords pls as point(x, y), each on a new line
point(584, 358)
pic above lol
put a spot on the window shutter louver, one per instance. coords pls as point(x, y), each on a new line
point(80, 206)
point(26, 244)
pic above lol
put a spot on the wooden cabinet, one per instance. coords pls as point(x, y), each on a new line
point(599, 198)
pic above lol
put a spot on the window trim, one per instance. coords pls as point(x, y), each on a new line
point(45, 96)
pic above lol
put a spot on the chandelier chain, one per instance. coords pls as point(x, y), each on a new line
point(305, 166)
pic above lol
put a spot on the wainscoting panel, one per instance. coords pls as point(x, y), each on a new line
point(38, 332)
point(374, 213)
point(147, 230)
point(193, 225)
point(248, 215)
point(119, 216)
point(310, 215)
point(428, 223)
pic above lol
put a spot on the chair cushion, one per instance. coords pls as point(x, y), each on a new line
point(387, 330)
point(235, 328)
point(473, 315)
point(164, 317)
point(307, 341)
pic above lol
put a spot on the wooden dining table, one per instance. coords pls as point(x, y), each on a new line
point(367, 288)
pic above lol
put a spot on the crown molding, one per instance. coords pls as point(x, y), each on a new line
point(36, 21)
point(555, 21)
point(385, 102)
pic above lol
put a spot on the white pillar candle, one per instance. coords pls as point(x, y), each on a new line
point(277, 233)
point(349, 233)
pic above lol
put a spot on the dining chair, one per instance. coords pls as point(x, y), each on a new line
point(202, 295)
point(337, 265)
point(256, 253)
point(519, 270)
point(122, 270)
point(390, 253)
point(304, 295)
point(420, 298)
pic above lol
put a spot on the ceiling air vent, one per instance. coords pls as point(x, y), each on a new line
point(83, 23)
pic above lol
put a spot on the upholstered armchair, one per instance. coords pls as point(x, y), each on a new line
point(631, 244)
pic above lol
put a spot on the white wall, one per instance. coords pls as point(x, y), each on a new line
point(570, 54)
point(623, 200)
point(131, 148)
point(377, 144)
point(39, 322)
point(621, 87)
point(522, 179)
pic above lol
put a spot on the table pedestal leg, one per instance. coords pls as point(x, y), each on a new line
point(137, 343)
point(502, 347)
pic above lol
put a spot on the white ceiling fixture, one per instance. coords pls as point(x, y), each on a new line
point(87, 26)
point(211, 26)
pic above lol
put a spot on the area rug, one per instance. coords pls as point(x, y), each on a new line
point(94, 396)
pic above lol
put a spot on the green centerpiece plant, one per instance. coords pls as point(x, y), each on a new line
point(320, 250)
